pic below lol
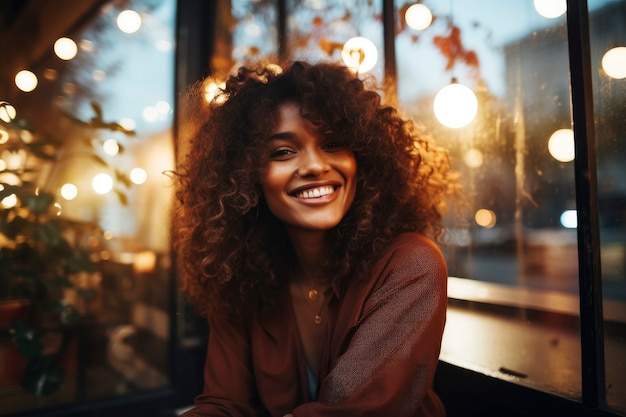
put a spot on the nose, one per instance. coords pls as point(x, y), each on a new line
point(313, 162)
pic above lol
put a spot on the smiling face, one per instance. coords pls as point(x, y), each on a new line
point(309, 180)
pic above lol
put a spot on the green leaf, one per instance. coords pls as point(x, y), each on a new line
point(39, 203)
point(26, 339)
point(50, 233)
point(67, 313)
point(16, 227)
point(43, 375)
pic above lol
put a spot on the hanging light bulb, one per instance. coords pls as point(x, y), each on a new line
point(129, 21)
point(7, 112)
point(359, 54)
point(26, 81)
point(65, 48)
point(550, 9)
point(455, 105)
point(418, 17)
point(561, 145)
point(614, 62)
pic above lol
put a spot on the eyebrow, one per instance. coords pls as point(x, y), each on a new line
point(281, 135)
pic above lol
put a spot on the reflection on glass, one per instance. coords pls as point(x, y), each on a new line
point(519, 251)
point(82, 163)
point(514, 310)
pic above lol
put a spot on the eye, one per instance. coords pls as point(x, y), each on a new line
point(334, 145)
point(280, 153)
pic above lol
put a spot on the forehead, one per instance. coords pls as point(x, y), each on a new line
point(289, 117)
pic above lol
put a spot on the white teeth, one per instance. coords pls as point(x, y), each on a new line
point(316, 192)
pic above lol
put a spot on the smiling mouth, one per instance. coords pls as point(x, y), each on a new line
point(316, 192)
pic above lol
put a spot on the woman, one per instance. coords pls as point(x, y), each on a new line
point(307, 213)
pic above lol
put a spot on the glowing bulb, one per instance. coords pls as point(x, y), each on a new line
point(9, 201)
point(4, 137)
point(102, 183)
point(65, 48)
point(485, 218)
point(473, 158)
point(7, 112)
point(26, 81)
point(455, 105)
point(561, 145)
point(69, 191)
point(14, 160)
point(550, 8)
point(138, 175)
point(418, 17)
point(569, 219)
point(614, 62)
point(212, 92)
point(359, 54)
point(129, 21)
point(111, 147)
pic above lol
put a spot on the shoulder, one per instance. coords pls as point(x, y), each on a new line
point(410, 257)
point(410, 271)
point(410, 248)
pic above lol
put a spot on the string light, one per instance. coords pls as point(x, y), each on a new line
point(65, 48)
point(359, 54)
point(26, 81)
point(550, 9)
point(418, 16)
point(561, 145)
point(614, 62)
point(455, 105)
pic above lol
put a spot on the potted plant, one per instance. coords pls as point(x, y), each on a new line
point(41, 250)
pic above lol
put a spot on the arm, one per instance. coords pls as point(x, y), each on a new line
point(229, 388)
point(389, 363)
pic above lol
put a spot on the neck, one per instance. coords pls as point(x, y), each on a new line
point(310, 249)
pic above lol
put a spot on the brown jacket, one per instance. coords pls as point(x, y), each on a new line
point(379, 361)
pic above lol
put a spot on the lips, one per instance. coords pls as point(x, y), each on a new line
point(316, 192)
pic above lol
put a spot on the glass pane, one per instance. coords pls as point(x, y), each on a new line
point(84, 238)
point(245, 30)
point(608, 44)
point(317, 30)
point(514, 292)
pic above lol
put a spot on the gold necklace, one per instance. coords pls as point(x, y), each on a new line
point(312, 296)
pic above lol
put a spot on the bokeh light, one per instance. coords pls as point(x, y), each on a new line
point(129, 21)
point(561, 145)
point(102, 183)
point(418, 16)
point(455, 105)
point(65, 48)
point(26, 81)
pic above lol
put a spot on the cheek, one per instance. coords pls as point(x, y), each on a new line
point(272, 182)
point(351, 168)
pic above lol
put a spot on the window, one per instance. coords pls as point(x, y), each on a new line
point(95, 136)
point(514, 256)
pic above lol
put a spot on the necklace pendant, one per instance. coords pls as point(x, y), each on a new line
point(313, 295)
point(318, 319)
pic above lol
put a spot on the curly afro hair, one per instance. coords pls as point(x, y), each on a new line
point(231, 249)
